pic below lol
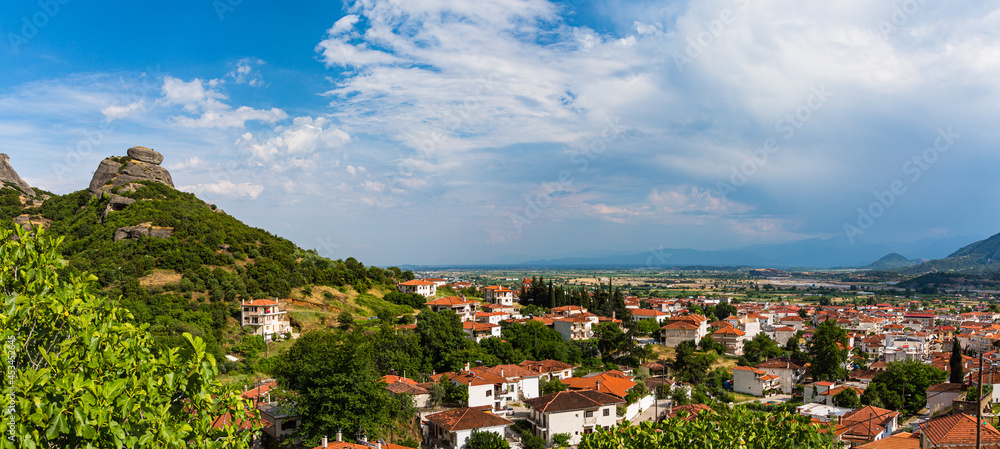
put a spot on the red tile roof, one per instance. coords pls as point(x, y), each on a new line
point(466, 418)
point(572, 400)
point(959, 431)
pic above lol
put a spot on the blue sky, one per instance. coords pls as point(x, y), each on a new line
point(443, 131)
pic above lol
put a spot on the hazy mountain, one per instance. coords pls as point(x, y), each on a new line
point(890, 262)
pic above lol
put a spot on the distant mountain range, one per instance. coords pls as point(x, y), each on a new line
point(814, 253)
point(978, 257)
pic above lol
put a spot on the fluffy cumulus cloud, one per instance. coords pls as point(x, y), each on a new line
point(204, 97)
point(305, 135)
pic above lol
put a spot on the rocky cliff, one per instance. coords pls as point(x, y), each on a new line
point(141, 164)
point(9, 177)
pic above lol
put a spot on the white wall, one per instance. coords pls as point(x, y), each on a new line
point(573, 422)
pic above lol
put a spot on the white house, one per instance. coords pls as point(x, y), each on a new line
point(572, 412)
point(789, 372)
point(454, 427)
point(477, 331)
point(265, 318)
point(466, 310)
point(755, 382)
point(576, 327)
point(419, 286)
point(496, 294)
point(649, 314)
point(681, 328)
point(549, 368)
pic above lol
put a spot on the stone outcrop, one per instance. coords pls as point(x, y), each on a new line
point(142, 164)
point(143, 154)
point(9, 176)
point(116, 204)
point(143, 230)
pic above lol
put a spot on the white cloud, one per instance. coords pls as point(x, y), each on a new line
point(304, 136)
point(244, 72)
point(200, 96)
point(691, 199)
point(115, 112)
point(230, 118)
point(191, 162)
point(226, 188)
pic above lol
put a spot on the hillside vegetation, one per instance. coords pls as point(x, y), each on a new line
point(193, 280)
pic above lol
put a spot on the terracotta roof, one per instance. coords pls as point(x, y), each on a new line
point(507, 371)
point(680, 325)
point(400, 388)
point(729, 331)
point(416, 282)
point(572, 400)
point(260, 390)
point(390, 379)
point(902, 440)
point(260, 302)
point(466, 418)
point(865, 424)
point(449, 301)
point(946, 387)
point(648, 312)
point(781, 363)
point(693, 410)
point(545, 366)
point(959, 431)
point(603, 383)
point(476, 327)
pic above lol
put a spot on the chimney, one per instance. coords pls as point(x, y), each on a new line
point(378, 445)
point(501, 373)
point(325, 442)
point(466, 366)
point(339, 437)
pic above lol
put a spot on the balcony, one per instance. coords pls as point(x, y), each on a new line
point(590, 421)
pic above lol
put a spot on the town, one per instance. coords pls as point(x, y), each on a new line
point(844, 361)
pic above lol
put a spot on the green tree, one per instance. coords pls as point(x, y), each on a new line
point(80, 374)
point(345, 320)
point(725, 310)
point(910, 377)
point(443, 340)
point(552, 385)
point(531, 441)
point(740, 428)
point(336, 386)
point(828, 352)
point(957, 375)
point(759, 349)
point(486, 440)
point(560, 439)
point(847, 398)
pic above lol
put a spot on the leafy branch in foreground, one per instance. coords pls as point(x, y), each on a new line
point(84, 376)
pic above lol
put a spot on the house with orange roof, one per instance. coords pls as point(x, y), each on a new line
point(682, 328)
point(756, 382)
point(866, 425)
point(790, 372)
point(453, 428)
point(478, 332)
point(957, 431)
point(901, 440)
point(568, 311)
point(496, 294)
point(576, 327)
point(421, 287)
point(549, 368)
point(465, 309)
point(265, 318)
point(730, 338)
point(649, 314)
point(575, 412)
point(783, 334)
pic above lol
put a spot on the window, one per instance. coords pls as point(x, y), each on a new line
point(590, 414)
point(607, 412)
point(489, 393)
point(288, 425)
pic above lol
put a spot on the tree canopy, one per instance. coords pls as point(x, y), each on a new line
point(828, 352)
point(903, 381)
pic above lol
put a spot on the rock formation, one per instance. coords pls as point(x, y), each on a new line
point(143, 230)
point(9, 176)
point(142, 164)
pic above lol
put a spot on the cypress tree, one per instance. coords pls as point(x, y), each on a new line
point(957, 370)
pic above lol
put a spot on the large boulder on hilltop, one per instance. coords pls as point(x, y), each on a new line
point(106, 172)
point(143, 154)
point(9, 176)
point(143, 164)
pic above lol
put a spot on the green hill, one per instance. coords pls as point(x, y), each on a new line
point(182, 265)
point(891, 261)
point(979, 257)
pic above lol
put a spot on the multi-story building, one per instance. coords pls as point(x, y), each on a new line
point(465, 309)
point(421, 287)
point(265, 318)
point(496, 294)
point(576, 413)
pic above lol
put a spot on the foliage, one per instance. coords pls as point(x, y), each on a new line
point(828, 352)
point(560, 439)
point(973, 394)
point(910, 377)
point(536, 341)
point(337, 385)
point(454, 393)
point(847, 398)
point(957, 374)
point(531, 441)
point(708, 343)
point(83, 376)
point(444, 343)
point(486, 440)
point(759, 349)
point(739, 428)
point(552, 385)
point(689, 366)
